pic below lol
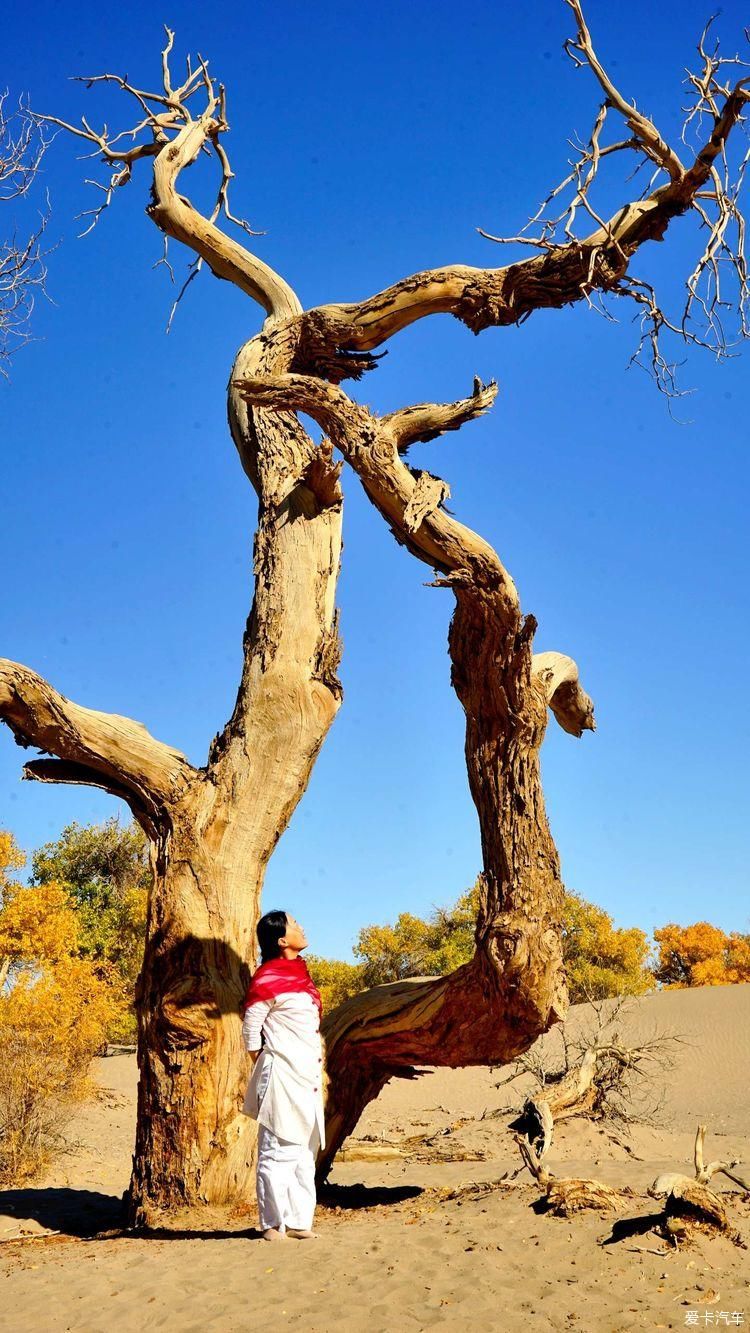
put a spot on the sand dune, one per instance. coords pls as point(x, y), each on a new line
point(393, 1251)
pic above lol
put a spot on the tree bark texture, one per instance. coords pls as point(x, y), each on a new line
point(494, 1007)
point(193, 1142)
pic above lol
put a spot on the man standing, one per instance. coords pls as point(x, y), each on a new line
point(281, 1030)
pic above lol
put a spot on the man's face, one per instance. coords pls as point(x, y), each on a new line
point(295, 937)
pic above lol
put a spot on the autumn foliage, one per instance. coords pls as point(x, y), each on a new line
point(701, 955)
point(412, 947)
point(56, 1009)
point(105, 873)
point(601, 959)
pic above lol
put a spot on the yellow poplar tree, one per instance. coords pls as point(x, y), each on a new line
point(701, 955)
point(55, 1012)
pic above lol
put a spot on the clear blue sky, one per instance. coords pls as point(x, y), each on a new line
point(371, 141)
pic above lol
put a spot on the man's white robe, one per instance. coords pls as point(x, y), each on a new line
point(287, 1031)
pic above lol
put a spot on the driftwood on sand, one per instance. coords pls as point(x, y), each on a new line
point(689, 1199)
point(567, 1195)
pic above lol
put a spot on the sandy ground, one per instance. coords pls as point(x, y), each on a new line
point(394, 1252)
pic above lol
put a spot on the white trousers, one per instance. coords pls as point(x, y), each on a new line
point(285, 1182)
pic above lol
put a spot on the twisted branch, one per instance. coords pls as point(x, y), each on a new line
point(409, 500)
point(426, 421)
point(574, 267)
point(174, 137)
point(100, 749)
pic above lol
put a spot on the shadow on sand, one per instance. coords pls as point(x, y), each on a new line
point(365, 1196)
point(80, 1213)
point(90, 1215)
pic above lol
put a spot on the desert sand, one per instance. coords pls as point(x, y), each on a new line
point(395, 1251)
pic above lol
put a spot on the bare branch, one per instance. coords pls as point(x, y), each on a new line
point(22, 148)
point(409, 500)
point(549, 225)
point(22, 268)
point(704, 1173)
point(174, 137)
point(426, 421)
point(103, 749)
point(558, 677)
point(581, 49)
point(573, 267)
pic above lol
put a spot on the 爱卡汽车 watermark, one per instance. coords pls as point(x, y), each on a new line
point(706, 1318)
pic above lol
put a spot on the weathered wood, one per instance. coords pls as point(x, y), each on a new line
point(193, 1143)
point(492, 1008)
point(99, 749)
point(567, 1194)
point(689, 1199)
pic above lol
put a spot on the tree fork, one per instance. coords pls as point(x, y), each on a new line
point(493, 1008)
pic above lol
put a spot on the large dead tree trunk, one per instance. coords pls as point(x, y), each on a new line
point(193, 1142)
point(494, 1007)
point(212, 829)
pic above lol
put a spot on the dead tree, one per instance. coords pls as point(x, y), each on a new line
point(566, 1195)
point(691, 1199)
point(212, 829)
point(596, 1075)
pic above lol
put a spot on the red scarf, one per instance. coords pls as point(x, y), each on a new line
point(279, 976)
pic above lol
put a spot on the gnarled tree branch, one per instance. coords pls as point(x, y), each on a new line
point(426, 421)
point(514, 984)
point(571, 705)
point(170, 134)
point(403, 495)
point(102, 749)
point(572, 268)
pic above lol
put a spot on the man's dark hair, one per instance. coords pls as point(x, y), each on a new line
point(270, 929)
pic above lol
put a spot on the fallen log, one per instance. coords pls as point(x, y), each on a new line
point(567, 1195)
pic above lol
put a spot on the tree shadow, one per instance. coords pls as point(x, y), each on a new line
point(625, 1227)
point(195, 1233)
point(85, 1214)
point(365, 1196)
point(89, 1215)
point(71, 1212)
